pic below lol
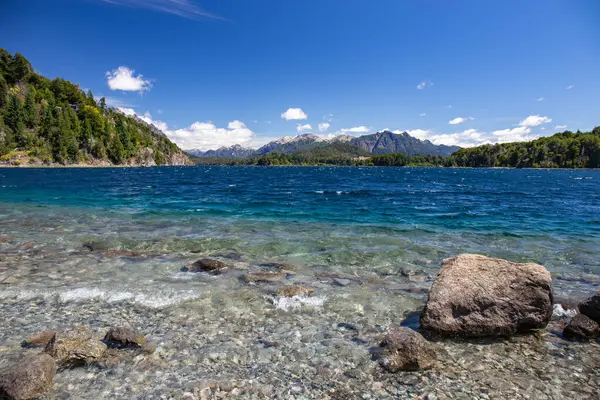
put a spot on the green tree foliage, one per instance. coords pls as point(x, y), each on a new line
point(3, 92)
point(30, 115)
point(56, 121)
point(562, 150)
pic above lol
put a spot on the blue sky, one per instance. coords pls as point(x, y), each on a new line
point(221, 72)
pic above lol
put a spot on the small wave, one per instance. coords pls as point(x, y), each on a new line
point(154, 300)
point(296, 302)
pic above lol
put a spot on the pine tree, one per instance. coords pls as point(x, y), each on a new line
point(3, 92)
point(13, 116)
point(30, 117)
point(86, 135)
point(116, 152)
point(90, 99)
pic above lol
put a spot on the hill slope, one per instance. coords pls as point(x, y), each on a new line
point(562, 150)
point(46, 121)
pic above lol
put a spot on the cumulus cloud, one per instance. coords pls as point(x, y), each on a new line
point(200, 135)
point(540, 99)
point(356, 129)
point(124, 78)
point(206, 135)
point(560, 127)
point(535, 120)
point(324, 126)
point(294, 114)
point(466, 138)
point(424, 85)
point(422, 114)
point(304, 127)
point(570, 87)
point(460, 120)
point(181, 8)
point(518, 134)
point(127, 111)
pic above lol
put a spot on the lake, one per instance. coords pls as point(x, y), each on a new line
point(105, 246)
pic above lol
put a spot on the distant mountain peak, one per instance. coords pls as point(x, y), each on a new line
point(383, 142)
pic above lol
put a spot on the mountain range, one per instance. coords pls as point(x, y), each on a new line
point(384, 142)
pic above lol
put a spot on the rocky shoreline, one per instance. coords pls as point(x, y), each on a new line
point(487, 331)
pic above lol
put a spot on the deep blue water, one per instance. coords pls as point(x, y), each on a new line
point(519, 202)
point(373, 221)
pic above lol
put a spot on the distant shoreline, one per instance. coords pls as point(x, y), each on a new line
point(82, 166)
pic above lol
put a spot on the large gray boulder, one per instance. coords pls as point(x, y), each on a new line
point(591, 307)
point(30, 378)
point(406, 350)
point(478, 296)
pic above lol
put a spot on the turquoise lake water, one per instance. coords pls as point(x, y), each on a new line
point(104, 248)
point(353, 220)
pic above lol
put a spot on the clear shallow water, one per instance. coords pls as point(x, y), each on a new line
point(355, 220)
point(369, 241)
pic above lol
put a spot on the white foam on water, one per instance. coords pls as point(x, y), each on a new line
point(296, 302)
point(150, 299)
point(559, 312)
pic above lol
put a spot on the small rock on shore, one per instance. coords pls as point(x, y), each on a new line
point(406, 350)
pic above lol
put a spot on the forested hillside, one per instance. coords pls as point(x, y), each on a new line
point(45, 121)
point(562, 150)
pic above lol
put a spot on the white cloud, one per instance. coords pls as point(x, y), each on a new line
point(124, 79)
point(127, 111)
point(535, 120)
point(160, 111)
point(422, 114)
point(356, 129)
point(570, 87)
point(560, 127)
point(460, 120)
point(518, 134)
point(294, 114)
point(540, 99)
point(324, 126)
point(304, 127)
point(181, 8)
point(467, 138)
point(424, 85)
point(206, 136)
point(200, 135)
